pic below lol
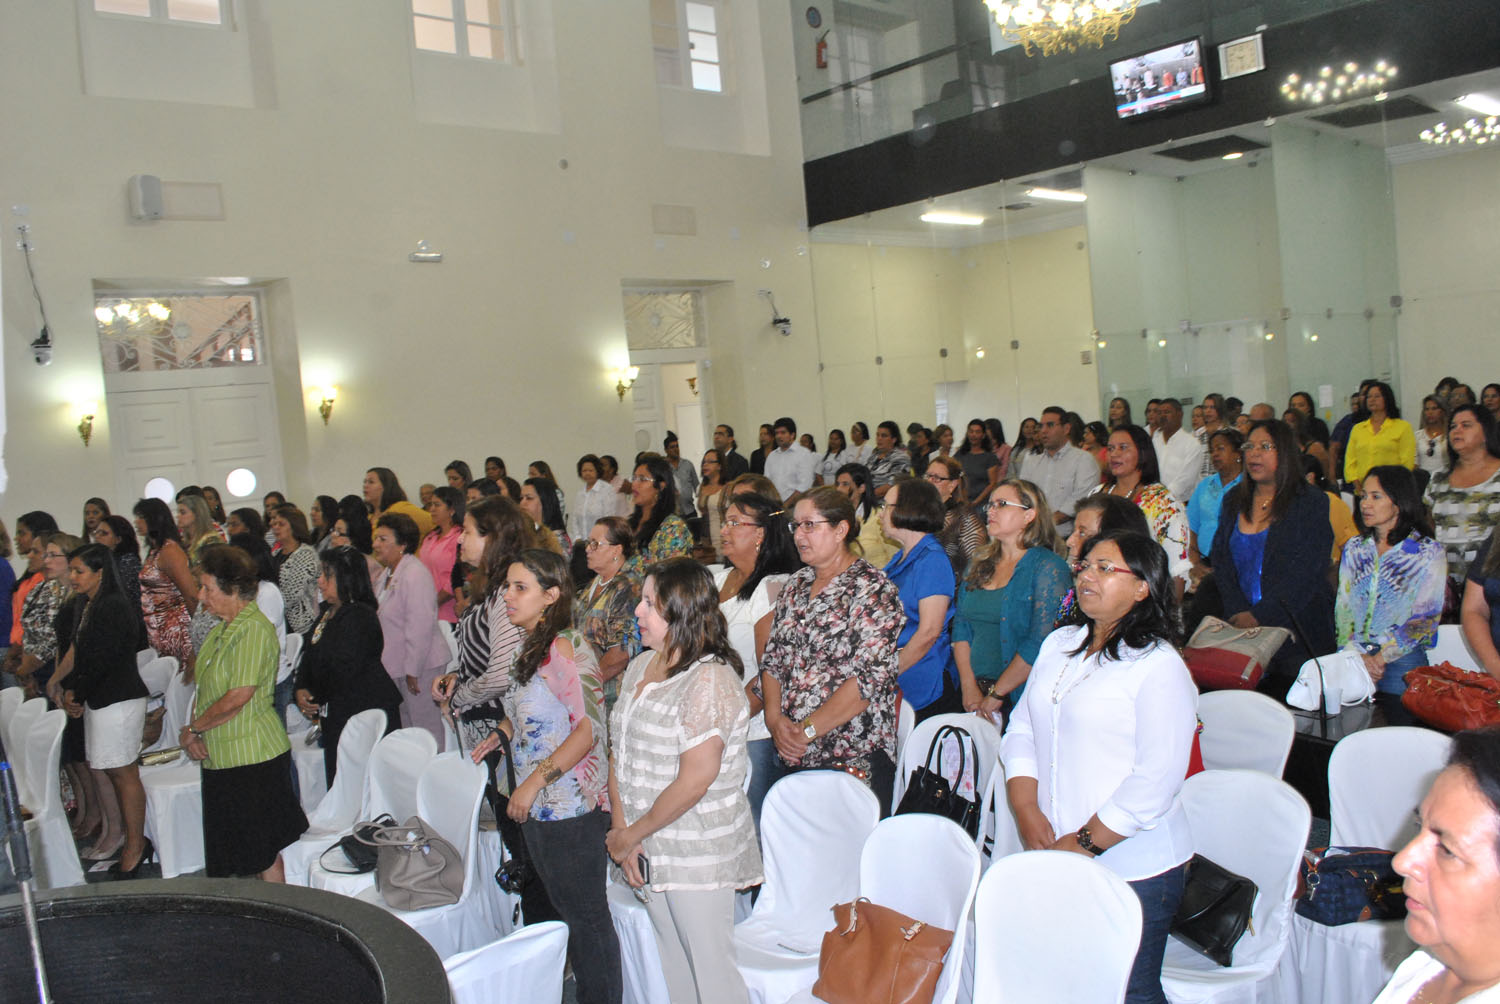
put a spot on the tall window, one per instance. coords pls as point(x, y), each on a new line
point(688, 39)
point(190, 11)
point(483, 29)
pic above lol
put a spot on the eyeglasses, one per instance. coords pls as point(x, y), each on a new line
point(1003, 503)
point(49, 555)
point(1100, 567)
point(594, 545)
point(1249, 448)
point(736, 523)
point(936, 478)
point(641, 479)
point(807, 524)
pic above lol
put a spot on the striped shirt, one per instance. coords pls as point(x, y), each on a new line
point(713, 844)
point(241, 653)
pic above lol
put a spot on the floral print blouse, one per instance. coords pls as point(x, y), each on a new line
point(1168, 522)
point(605, 616)
point(1393, 599)
point(544, 711)
point(848, 631)
point(38, 636)
point(671, 540)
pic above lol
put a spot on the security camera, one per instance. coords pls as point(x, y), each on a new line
point(41, 349)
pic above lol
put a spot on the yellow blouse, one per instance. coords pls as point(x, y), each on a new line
point(1395, 443)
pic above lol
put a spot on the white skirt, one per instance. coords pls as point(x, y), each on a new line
point(112, 735)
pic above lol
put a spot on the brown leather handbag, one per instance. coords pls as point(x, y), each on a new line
point(1451, 698)
point(875, 955)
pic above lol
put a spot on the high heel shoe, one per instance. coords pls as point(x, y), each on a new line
point(119, 871)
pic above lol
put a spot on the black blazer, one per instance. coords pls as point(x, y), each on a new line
point(104, 668)
point(734, 465)
point(343, 668)
point(1293, 573)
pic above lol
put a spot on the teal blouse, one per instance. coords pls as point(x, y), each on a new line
point(1000, 624)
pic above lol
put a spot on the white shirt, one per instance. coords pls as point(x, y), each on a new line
point(1181, 462)
point(268, 598)
point(859, 454)
point(828, 465)
point(589, 506)
point(1064, 478)
point(742, 616)
point(791, 469)
point(1109, 738)
point(1437, 461)
point(1418, 968)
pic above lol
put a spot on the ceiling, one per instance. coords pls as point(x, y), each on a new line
point(1009, 213)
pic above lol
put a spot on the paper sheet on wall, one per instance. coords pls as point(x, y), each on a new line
point(1325, 395)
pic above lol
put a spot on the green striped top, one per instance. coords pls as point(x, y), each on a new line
point(241, 653)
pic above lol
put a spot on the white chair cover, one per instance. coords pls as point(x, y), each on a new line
point(812, 826)
point(640, 956)
point(1375, 779)
point(1255, 826)
point(28, 714)
point(54, 855)
point(144, 656)
point(157, 675)
point(10, 701)
point(391, 789)
point(1451, 647)
point(179, 707)
point(1031, 952)
point(312, 780)
point(914, 754)
point(291, 654)
point(448, 798)
point(337, 813)
point(906, 720)
point(1243, 729)
point(501, 910)
point(174, 815)
point(525, 967)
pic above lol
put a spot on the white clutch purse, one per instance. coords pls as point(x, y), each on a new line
point(1345, 682)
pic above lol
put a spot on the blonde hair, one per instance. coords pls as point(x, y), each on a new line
point(1042, 532)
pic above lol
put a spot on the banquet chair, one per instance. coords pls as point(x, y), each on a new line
point(144, 657)
point(1451, 647)
point(449, 795)
point(28, 714)
point(906, 720)
point(337, 813)
point(157, 675)
point(10, 700)
point(395, 769)
point(986, 745)
point(525, 967)
point(1032, 954)
point(174, 794)
point(48, 833)
point(1376, 778)
point(1256, 826)
point(1243, 729)
point(812, 827)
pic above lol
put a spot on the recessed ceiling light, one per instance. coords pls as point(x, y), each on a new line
point(1236, 155)
point(1055, 195)
point(1481, 103)
point(958, 219)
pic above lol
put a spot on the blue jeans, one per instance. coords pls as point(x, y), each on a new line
point(1393, 680)
point(763, 772)
point(1159, 896)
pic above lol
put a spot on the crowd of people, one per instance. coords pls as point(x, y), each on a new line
point(654, 650)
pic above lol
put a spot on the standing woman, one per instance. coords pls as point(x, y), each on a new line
point(860, 446)
point(539, 501)
point(962, 533)
point(40, 612)
point(854, 482)
point(168, 589)
point(494, 469)
point(1002, 448)
point(833, 458)
point(324, 511)
point(249, 809)
point(942, 438)
point(215, 504)
point(1134, 476)
point(1207, 500)
point(439, 550)
point(1391, 585)
point(340, 665)
point(415, 652)
point(1119, 413)
point(605, 612)
point(1008, 600)
point(676, 783)
point(1432, 437)
point(1097, 750)
point(555, 721)
point(829, 669)
point(1489, 399)
point(1095, 441)
point(659, 532)
point(977, 455)
point(94, 511)
point(115, 533)
point(383, 493)
point(1465, 499)
point(596, 499)
point(1383, 438)
point(710, 495)
point(97, 680)
point(297, 568)
point(458, 474)
point(758, 557)
point(197, 527)
point(912, 516)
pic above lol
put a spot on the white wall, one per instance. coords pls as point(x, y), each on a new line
point(503, 348)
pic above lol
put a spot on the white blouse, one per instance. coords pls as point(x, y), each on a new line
point(1414, 973)
point(712, 845)
point(742, 616)
point(589, 506)
point(1435, 461)
point(1109, 738)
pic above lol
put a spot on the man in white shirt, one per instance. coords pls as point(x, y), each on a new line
point(790, 465)
point(1179, 454)
point(1063, 472)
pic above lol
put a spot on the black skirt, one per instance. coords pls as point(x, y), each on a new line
point(249, 815)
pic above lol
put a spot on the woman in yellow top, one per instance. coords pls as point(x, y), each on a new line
point(383, 492)
point(1383, 438)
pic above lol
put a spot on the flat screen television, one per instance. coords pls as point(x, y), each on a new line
point(1160, 80)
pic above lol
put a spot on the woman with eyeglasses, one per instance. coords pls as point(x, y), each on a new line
point(711, 485)
point(1097, 750)
point(1008, 600)
point(912, 516)
point(40, 612)
point(604, 613)
point(962, 533)
point(1134, 476)
point(758, 556)
point(1465, 499)
point(829, 669)
point(856, 484)
point(660, 533)
point(1268, 553)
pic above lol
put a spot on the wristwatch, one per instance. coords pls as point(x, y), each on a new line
point(1086, 841)
point(809, 729)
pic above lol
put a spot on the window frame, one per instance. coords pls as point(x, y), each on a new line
point(684, 49)
point(509, 28)
point(158, 15)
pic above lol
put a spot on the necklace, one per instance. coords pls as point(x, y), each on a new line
point(1058, 691)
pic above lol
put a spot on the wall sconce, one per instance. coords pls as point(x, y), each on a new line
point(692, 383)
point(325, 408)
point(625, 379)
point(86, 412)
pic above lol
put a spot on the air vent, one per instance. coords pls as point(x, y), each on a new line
point(1211, 149)
point(1371, 112)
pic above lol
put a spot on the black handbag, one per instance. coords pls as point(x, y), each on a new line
point(359, 854)
point(516, 871)
point(1215, 910)
point(930, 791)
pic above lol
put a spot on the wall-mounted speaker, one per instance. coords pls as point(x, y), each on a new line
point(145, 197)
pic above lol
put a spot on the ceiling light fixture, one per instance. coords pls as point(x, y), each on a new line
point(1056, 195)
point(1481, 104)
point(1473, 131)
point(1337, 83)
point(1061, 26)
point(957, 219)
point(1236, 155)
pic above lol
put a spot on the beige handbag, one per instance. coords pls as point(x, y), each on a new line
point(414, 867)
point(1223, 657)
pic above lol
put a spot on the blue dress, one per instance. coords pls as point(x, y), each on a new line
point(921, 572)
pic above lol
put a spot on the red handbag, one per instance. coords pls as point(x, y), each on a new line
point(1452, 699)
point(1223, 657)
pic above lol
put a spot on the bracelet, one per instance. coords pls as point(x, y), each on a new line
point(548, 770)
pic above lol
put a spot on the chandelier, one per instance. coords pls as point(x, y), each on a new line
point(1060, 25)
point(1476, 131)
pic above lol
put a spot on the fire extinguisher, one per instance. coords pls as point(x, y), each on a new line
point(823, 51)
